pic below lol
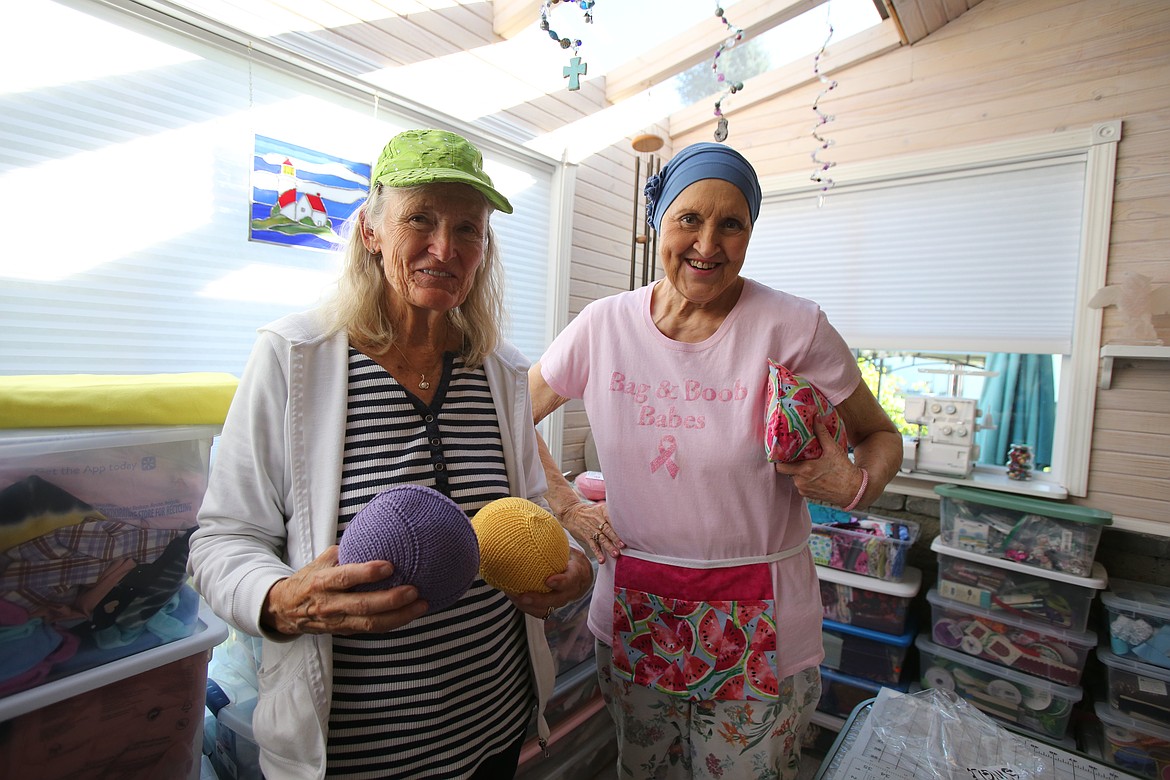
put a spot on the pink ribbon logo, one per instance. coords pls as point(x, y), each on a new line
point(666, 449)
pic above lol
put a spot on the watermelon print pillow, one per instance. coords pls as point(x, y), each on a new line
point(793, 406)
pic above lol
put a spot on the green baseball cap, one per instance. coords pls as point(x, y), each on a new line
point(415, 157)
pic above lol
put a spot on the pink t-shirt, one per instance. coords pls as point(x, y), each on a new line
point(679, 430)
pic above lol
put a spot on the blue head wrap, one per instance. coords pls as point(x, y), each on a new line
point(700, 161)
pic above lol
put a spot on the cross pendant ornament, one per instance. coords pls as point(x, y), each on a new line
point(574, 71)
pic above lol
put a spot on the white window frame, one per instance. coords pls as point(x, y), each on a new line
point(1098, 145)
point(260, 66)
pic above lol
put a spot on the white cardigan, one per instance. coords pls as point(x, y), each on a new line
point(271, 508)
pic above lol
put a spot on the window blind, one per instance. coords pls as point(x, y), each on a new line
point(983, 260)
point(125, 169)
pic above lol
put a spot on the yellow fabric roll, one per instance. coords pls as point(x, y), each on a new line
point(84, 400)
point(520, 545)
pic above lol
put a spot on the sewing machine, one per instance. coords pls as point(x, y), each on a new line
point(949, 446)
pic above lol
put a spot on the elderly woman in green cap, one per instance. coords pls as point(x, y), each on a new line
point(403, 378)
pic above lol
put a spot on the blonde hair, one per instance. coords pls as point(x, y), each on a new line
point(360, 307)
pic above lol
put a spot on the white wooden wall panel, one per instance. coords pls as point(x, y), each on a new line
point(1011, 69)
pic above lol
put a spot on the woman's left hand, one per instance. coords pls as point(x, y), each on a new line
point(567, 586)
point(830, 479)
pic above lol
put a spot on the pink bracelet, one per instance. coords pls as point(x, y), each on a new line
point(860, 491)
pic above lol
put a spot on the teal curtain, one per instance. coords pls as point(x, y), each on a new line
point(1022, 402)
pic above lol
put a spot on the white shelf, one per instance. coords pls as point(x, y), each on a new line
point(921, 484)
point(1133, 351)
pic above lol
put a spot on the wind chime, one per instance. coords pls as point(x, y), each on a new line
point(577, 67)
point(645, 241)
point(735, 35)
point(820, 173)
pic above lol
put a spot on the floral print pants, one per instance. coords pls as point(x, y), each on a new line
point(664, 737)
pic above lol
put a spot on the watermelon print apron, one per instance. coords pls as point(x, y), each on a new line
point(699, 630)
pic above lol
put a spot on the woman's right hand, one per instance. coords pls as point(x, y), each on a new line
point(318, 600)
point(589, 525)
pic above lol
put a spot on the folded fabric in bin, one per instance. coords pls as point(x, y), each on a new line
point(29, 648)
point(865, 544)
point(34, 506)
point(80, 400)
point(115, 574)
point(59, 574)
point(145, 475)
point(175, 620)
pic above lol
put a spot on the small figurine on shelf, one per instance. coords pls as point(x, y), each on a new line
point(1019, 464)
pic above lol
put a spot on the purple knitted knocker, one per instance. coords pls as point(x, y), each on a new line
point(424, 534)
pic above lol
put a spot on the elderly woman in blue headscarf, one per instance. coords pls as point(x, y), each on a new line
point(706, 610)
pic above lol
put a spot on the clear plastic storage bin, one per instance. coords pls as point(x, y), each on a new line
point(152, 476)
point(93, 547)
point(574, 688)
point(1030, 703)
point(866, 602)
point(138, 716)
point(860, 652)
point(1009, 588)
point(866, 544)
point(236, 753)
point(1137, 689)
point(568, 634)
point(1033, 648)
point(1044, 534)
point(1138, 747)
point(1138, 619)
point(840, 693)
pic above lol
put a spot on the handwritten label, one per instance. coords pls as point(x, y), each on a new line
point(993, 773)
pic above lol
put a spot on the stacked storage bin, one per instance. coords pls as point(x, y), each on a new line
point(866, 593)
point(1010, 613)
point(1135, 718)
point(134, 717)
point(581, 730)
point(581, 737)
point(101, 478)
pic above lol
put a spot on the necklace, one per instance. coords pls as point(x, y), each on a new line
point(423, 384)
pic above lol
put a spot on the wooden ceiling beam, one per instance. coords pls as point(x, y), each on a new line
point(509, 17)
point(696, 44)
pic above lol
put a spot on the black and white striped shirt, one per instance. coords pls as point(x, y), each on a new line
point(435, 697)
